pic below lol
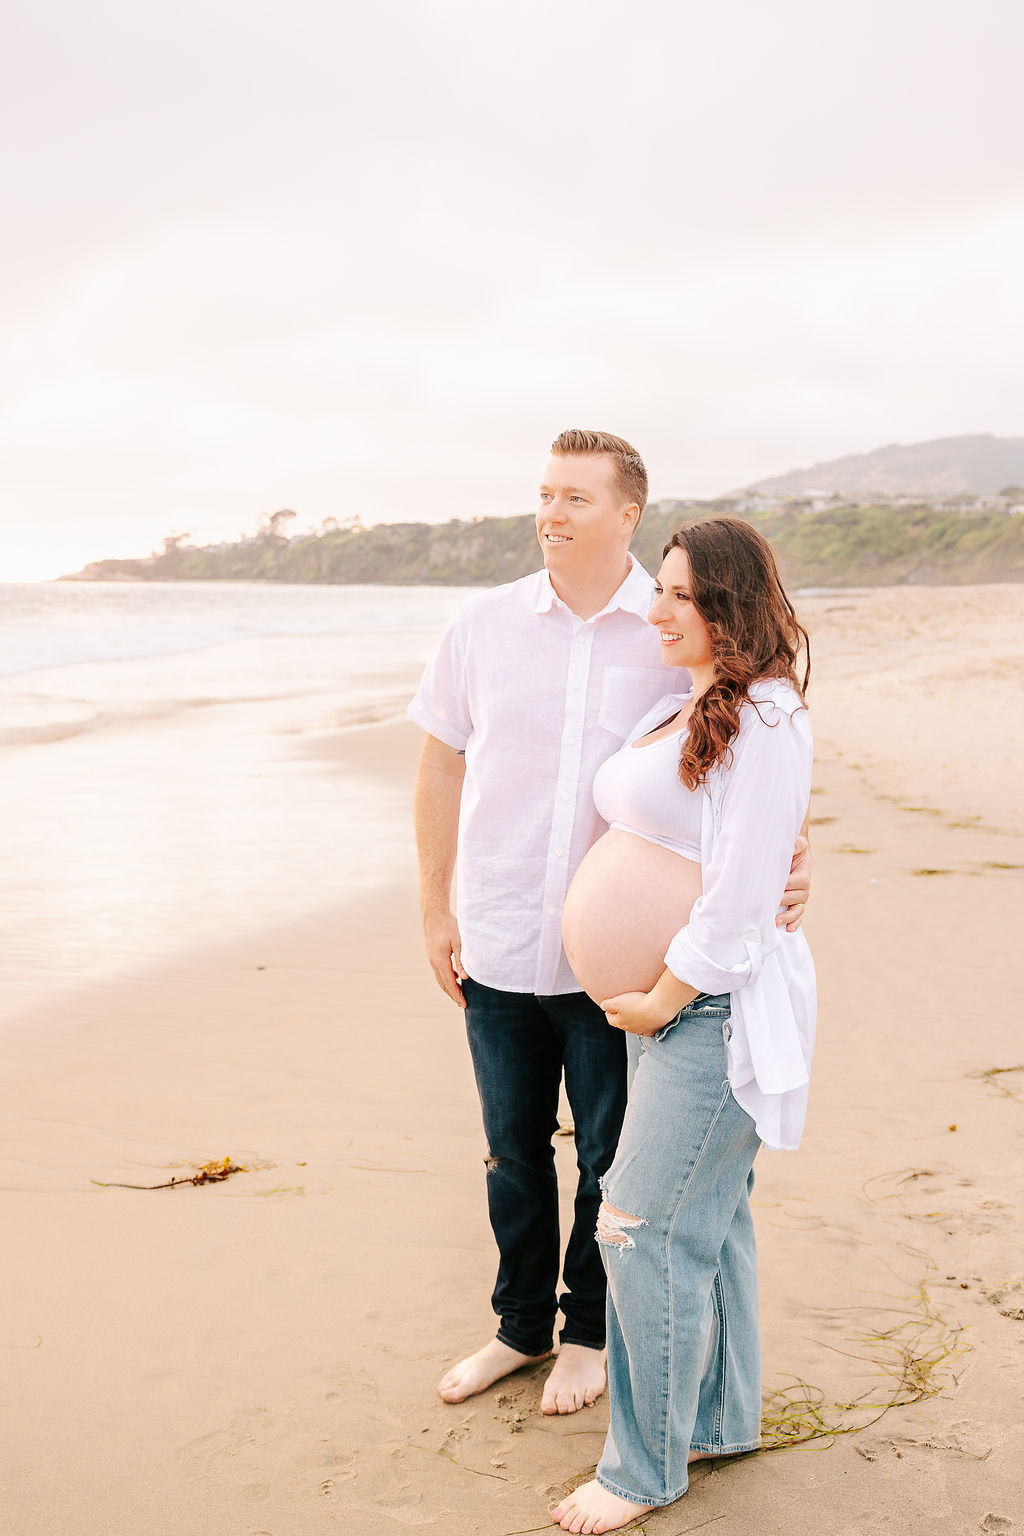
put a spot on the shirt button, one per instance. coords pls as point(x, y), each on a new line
point(552, 911)
point(559, 853)
point(572, 741)
point(563, 797)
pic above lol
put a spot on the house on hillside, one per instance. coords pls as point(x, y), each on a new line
point(757, 501)
point(672, 505)
point(973, 506)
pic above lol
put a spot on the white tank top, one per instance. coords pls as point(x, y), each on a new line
point(638, 790)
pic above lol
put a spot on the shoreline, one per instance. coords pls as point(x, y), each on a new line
point(310, 811)
point(342, 718)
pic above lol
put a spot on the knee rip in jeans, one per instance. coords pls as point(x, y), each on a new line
point(613, 1226)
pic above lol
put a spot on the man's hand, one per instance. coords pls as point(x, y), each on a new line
point(436, 800)
point(798, 888)
point(444, 951)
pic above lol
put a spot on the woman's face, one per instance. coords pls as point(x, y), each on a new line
point(685, 638)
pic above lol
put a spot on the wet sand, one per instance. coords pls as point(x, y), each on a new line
point(258, 1357)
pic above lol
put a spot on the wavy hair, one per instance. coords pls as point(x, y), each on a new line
point(736, 588)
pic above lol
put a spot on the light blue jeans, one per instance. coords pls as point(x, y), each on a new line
point(684, 1351)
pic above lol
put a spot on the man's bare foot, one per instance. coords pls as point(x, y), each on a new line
point(592, 1509)
point(482, 1370)
point(577, 1379)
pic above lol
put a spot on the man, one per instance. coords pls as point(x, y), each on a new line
point(534, 685)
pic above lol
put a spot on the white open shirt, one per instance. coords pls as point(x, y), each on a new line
point(752, 808)
point(537, 698)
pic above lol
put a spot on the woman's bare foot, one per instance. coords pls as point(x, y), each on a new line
point(577, 1379)
point(591, 1509)
point(478, 1372)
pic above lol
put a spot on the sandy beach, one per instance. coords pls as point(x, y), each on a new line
point(258, 1357)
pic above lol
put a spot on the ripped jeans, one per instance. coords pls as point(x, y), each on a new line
point(684, 1355)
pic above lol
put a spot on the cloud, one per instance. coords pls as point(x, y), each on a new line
point(373, 258)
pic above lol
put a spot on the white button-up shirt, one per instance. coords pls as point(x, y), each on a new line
point(537, 698)
point(752, 809)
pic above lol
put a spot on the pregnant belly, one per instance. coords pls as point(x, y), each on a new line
point(628, 899)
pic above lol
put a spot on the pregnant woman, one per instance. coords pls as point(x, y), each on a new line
point(670, 926)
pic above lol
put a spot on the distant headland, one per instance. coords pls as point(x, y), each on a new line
point(948, 512)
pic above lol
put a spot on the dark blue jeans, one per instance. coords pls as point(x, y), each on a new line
point(521, 1044)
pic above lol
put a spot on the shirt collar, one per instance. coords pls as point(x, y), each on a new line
point(633, 595)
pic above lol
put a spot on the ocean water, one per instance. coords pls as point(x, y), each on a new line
point(76, 655)
point(161, 767)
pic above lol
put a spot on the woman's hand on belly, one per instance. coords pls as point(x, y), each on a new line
point(631, 1011)
point(644, 1013)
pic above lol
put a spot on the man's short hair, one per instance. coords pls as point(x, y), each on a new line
point(630, 473)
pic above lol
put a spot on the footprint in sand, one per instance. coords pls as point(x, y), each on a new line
point(344, 1380)
point(402, 1508)
point(342, 1469)
point(207, 1450)
point(960, 1439)
point(1007, 1297)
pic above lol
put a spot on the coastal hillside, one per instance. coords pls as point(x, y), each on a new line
point(834, 545)
point(949, 466)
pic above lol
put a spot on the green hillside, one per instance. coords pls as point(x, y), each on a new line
point(843, 546)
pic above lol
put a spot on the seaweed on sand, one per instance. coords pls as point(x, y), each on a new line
point(991, 1076)
point(912, 1356)
point(206, 1173)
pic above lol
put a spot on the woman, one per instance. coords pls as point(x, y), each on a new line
point(670, 925)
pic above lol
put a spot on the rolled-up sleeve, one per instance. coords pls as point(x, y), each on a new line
point(762, 808)
point(441, 702)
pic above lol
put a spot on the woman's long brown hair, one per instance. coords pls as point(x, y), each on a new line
point(736, 588)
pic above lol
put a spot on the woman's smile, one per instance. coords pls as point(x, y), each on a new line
point(689, 647)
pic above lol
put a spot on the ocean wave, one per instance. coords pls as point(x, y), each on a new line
point(45, 626)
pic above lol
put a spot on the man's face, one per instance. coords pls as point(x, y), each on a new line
point(584, 521)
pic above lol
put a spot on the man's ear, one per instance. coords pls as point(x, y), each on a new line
point(631, 515)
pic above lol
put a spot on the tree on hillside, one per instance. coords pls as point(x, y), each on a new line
point(172, 542)
point(272, 525)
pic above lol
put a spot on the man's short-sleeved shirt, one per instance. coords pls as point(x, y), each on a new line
point(537, 698)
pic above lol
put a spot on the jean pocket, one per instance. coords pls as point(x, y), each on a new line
point(704, 1006)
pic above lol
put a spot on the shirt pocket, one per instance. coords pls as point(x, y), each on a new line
point(627, 694)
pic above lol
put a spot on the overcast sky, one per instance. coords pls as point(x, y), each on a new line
point(372, 258)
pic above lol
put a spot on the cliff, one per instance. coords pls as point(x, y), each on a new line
point(876, 545)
